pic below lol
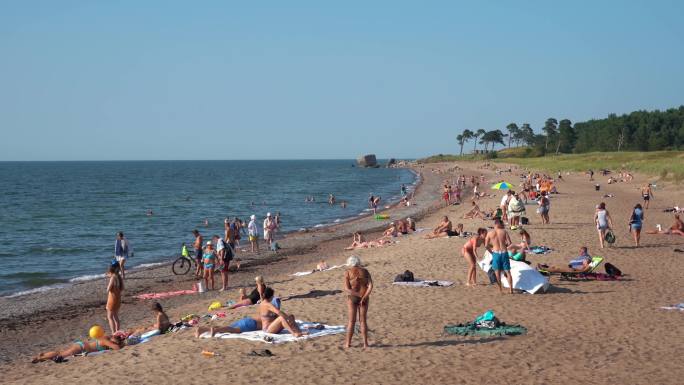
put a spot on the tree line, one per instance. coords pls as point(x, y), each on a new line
point(636, 131)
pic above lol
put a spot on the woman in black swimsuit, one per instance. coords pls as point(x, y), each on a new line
point(254, 296)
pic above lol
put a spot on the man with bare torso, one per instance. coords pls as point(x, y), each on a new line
point(497, 242)
point(646, 194)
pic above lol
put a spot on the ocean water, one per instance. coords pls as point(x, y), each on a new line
point(59, 219)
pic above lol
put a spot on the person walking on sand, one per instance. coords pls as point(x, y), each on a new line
point(469, 252)
point(269, 228)
point(636, 221)
point(199, 253)
point(544, 206)
point(122, 249)
point(253, 233)
point(114, 289)
point(646, 194)
point(603, 222)
point(358, 284)
point(497, 242)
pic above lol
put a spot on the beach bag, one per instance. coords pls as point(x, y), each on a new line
point(612, 271)
point(525, 221)
point(610, 237)
point(275, 246)
point(487, 320)
point(406, 276)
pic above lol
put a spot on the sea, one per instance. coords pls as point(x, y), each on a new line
point(58, 220)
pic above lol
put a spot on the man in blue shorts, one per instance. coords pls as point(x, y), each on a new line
point(497, 242)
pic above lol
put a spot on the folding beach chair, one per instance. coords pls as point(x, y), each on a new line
point(593, 265)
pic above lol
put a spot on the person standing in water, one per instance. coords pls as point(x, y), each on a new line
point(497, 242)
point(647, 194)
point(122, 249)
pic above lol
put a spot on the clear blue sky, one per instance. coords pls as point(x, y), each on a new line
point(318, 79)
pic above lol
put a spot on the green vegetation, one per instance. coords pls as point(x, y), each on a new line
point(665, 164)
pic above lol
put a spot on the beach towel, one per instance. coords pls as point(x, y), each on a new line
point(523, 275)
point(540, 250)
point(424, 283)
point(679, 306)
point(470, 329)
point(283, 336)
point(302, 273)
point(165, 294)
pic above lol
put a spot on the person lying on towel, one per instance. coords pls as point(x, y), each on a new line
point(269, 318)
point(581, 264)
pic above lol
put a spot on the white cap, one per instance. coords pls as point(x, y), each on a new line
point(253, 217)
point(268, 214)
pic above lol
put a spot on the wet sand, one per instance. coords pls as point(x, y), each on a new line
point(599, 332)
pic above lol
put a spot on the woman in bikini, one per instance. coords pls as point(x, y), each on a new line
point(114, 290)
point(358, 284)
point(469, 252)
point(79, 346)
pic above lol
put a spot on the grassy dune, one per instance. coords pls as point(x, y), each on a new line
point(665, 164)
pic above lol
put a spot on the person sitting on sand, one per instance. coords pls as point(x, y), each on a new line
point(269, 318)
point(254, 296)
point(391, 232)
point(676, 228)
point(402, 227)
point(161, 322)
point(79, 346)
point(444, 229)
point(523, 246)
point(474, 212)
point(581, 264)
point(322, 265)
point(411, 224)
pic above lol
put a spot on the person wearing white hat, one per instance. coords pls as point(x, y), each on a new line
point(269, 226)
point(253, 232)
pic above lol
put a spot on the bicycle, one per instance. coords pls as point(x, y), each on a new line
point(183, 264)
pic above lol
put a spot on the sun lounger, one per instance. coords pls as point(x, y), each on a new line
point(589, 274)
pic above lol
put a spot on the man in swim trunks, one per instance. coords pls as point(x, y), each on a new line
point(646, 194)
point(497, 242)
point(197, 245)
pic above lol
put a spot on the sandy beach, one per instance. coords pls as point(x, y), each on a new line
point(598, 332)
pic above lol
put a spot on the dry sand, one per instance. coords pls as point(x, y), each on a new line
point(579, 332)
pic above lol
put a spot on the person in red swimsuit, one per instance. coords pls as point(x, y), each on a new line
point(469, 252)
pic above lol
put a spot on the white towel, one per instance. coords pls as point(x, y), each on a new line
point(302, 273)
point(679, 306)
point(283, 336)
point(423, 283)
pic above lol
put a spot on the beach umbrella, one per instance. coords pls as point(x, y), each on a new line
point(502, 186)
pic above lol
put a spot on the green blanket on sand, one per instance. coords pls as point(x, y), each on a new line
point(470, 329)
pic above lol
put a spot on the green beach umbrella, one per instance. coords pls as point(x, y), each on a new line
point(502, 186)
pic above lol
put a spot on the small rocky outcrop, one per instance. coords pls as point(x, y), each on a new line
point(367, 161)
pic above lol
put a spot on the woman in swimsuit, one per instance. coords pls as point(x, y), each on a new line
point(254, 296)
point(469, 252)
point(274, 320)
point(114, 290)
point(636, 221)
point(209, 262)
point(78, 347)
point(603, 222)
point(359, 285)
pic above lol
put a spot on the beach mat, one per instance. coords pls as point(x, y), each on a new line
point(469, 329)
point(424, 283)
point(679, 306)
point(302, 273)
point(283, 336)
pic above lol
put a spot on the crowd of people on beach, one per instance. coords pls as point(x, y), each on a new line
point(216, 254)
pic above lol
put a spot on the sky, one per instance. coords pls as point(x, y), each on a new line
point(138, 80)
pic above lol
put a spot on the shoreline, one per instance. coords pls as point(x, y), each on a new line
point(163, 261)
point(86, 299)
